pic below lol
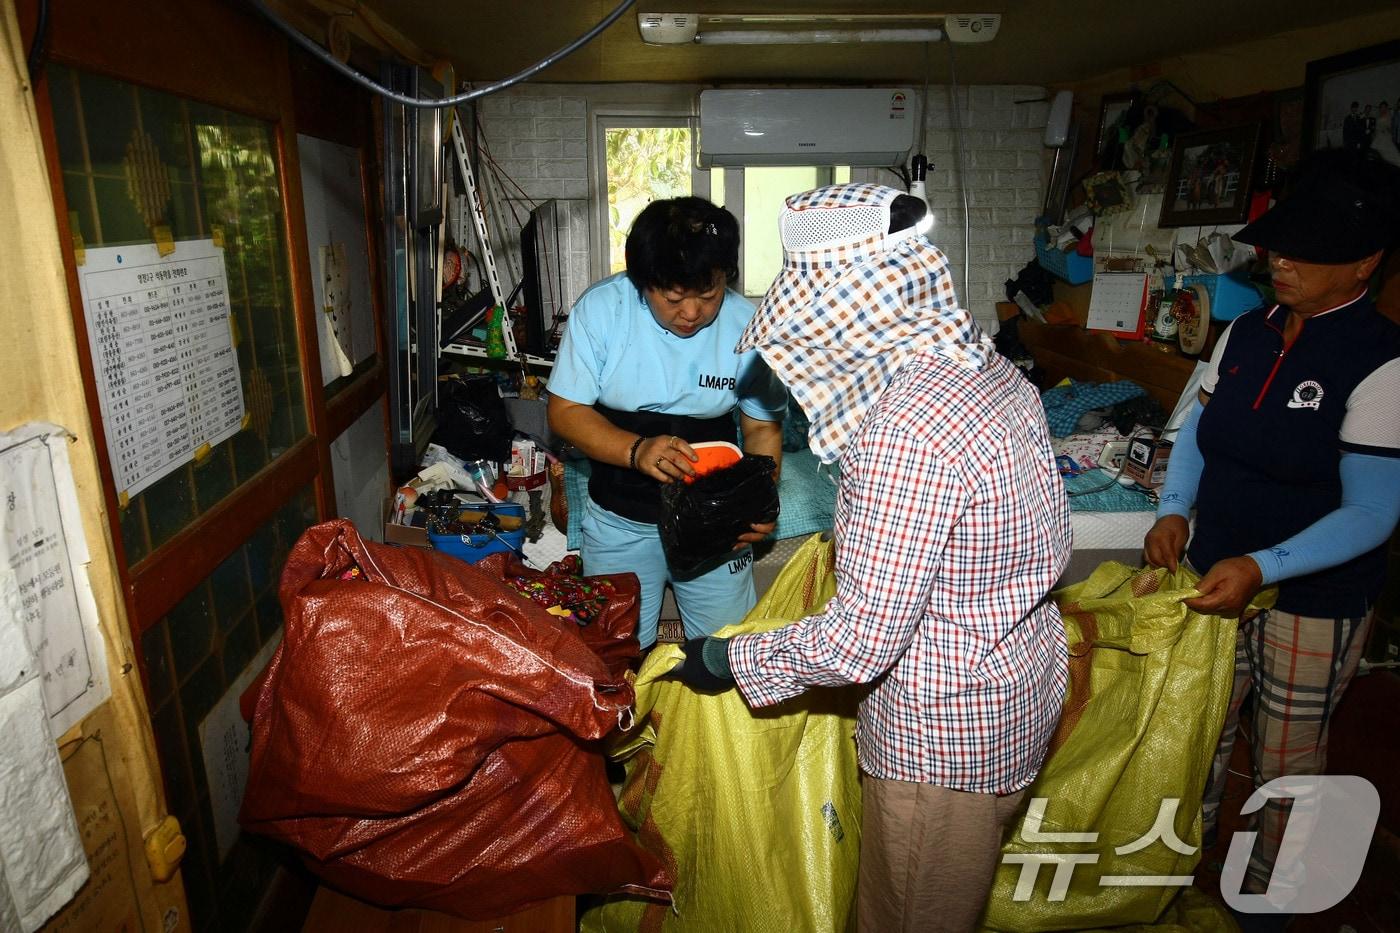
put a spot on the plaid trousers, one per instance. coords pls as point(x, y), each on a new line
point(1297, 668)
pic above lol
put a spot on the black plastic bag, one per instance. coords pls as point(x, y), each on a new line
point(472, 420)
point(1143, 410)
point(700, 521)
point(1035, 282)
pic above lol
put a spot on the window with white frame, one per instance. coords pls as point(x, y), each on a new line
point(764, 191)
point(639, 159)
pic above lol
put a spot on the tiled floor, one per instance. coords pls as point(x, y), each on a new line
point(333, 912)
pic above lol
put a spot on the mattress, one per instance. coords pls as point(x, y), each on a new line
point(1114, 531)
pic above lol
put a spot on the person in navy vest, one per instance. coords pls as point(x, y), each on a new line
point(646, 368)
point(1291, 458)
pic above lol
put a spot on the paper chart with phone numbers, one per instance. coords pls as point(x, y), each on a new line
point(162, 354)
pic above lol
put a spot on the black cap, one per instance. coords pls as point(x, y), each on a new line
point(1342, 209)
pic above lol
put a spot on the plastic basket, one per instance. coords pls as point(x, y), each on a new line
point(1229, 297)
point(1070, 266)
point(472, 548)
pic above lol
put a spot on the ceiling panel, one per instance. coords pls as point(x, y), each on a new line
point(1041, 41)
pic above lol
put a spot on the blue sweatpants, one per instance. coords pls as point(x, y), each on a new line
point(720, 597)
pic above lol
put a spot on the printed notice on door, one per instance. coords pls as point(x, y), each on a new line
point(163, 355)
point(41, 540)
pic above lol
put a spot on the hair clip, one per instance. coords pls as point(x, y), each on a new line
point(711, 229)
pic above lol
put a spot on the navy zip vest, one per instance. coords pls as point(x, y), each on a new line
point(1270, 437)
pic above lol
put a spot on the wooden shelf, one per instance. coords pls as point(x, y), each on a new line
point(1068, 350)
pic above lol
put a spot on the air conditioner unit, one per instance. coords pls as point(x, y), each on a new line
point(807, 126)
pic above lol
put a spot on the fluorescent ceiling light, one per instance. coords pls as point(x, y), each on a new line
point(815, 36)
point(813, 28)
point(810, 19)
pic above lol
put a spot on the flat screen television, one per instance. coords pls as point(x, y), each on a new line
point(542, 284)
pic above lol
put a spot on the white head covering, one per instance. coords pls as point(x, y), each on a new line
point(852, 304)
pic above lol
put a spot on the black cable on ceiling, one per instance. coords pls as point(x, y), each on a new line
point(430, 103)
point(39, 46)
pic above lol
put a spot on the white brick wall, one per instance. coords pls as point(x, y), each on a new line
point(538, 138)
point(538, 135)
point(1003, 161)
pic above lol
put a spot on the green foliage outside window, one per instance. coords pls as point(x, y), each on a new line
point(220, 169)
point(645, 163)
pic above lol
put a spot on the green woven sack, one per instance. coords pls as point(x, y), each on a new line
point(757, 812)
point(1149, 685)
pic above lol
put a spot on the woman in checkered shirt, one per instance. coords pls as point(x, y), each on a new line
point(951, 527)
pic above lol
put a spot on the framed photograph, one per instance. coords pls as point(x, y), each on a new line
point(1349, 100)
point(1112, 110)
point(1210, 177)
point(1106, 194)
point(1285, 138)
point(1057, 191)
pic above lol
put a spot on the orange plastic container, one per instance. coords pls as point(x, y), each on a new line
point(714, 455)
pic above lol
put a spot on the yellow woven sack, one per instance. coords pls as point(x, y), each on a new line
point(757, 811)
point(1149, 685)
point(1193, 911)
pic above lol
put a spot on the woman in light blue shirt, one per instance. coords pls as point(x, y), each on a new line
point(647, 367)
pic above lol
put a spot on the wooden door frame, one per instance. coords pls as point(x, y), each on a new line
point(222, 54)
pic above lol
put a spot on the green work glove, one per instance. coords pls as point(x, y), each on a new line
point(706, 665)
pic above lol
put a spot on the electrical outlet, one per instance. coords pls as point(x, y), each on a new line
point(1113, 453)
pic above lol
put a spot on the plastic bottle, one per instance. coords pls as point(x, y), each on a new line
point(495, 334)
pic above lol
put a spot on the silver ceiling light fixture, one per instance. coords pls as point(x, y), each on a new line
point(814, 28)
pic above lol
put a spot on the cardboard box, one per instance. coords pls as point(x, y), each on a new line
point(394, 533)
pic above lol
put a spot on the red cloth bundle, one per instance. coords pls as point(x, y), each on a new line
point(427, 738)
